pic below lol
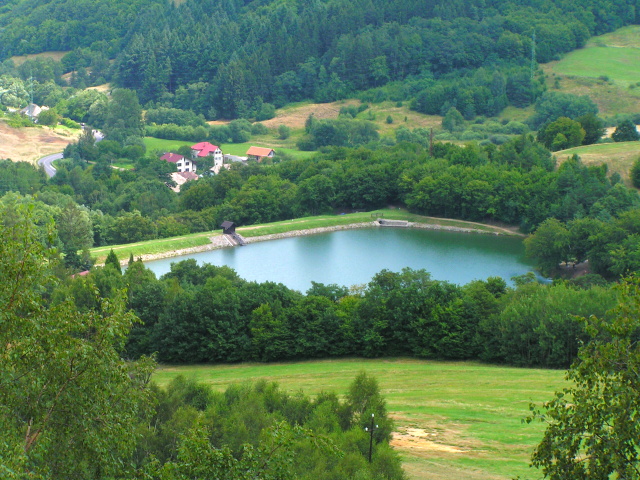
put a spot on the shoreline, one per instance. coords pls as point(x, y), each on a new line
point(220, 241)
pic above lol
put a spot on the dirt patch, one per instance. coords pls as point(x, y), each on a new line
point(20, 59)
point(419, 440)
point(33, 143)
point(294, 117)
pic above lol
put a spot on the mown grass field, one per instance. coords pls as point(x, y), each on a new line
point(453, 420)
point(619, 157)
point(164, 245)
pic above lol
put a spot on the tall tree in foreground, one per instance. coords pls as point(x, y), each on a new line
point(593, 427)
point(68, 402)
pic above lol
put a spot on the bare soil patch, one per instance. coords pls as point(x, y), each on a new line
point(418, 440)
point(20, 59)
point(31, 144)
point(294, 117)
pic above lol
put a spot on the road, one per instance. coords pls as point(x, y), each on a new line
point(46, 163)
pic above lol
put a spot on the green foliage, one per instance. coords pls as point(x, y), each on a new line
point(635, 173)
point(553, 105)
point(453, 120)
point(594, 418)
point(561, 134)
point(284, 132)
point(69, 401)
point(626, 131)
point(112, 259)
point(49, 117)
point(593, 127)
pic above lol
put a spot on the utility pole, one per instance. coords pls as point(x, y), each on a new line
point(370, 430)
point(533, 53)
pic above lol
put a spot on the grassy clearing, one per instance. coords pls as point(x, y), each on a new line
point(619, 157)
point(606, 70)
point(165, 245)
point(32, 143)
point(620, 64)
point(20, 59)
point(453, 420)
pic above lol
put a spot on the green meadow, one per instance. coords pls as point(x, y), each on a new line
point(453, 420)
point(239, 149)
point(619, 64)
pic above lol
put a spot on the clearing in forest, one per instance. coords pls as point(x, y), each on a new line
point(29, 144)
point(607, 69)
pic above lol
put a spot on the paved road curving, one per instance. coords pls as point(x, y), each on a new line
point(47, 161)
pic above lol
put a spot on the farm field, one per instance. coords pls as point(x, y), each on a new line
point(458, 420)
point(619, 157)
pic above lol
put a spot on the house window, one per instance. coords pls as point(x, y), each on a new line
point(179, 164)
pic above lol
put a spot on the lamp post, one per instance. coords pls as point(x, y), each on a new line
point(370, 430)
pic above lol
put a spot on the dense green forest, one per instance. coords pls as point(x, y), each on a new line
point(230, 58)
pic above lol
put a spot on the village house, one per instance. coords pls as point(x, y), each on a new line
point(206, 149)
point(180, 178)
point(182, 164)
point(258, 153)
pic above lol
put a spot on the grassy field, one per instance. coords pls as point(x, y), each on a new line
point(607, 70)
point(32, 143)
point(453, 420)
point(20, 59)
point(239, 149)
point(161, 246)
point(618, 156)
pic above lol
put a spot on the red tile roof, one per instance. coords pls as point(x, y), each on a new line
point(260, 151)
point(172, 157)
point(204, 148)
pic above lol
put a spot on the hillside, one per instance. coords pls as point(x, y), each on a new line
point(607, 69)
point(31, 144)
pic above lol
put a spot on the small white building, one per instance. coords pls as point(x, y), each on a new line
point(183, 164)
point(206, 149)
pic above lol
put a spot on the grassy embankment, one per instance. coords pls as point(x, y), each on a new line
point(453, 420)
point(164, 245)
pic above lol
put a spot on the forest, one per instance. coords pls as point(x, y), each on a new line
point(232, 58)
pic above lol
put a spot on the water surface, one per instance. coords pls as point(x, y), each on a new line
point(351, 257)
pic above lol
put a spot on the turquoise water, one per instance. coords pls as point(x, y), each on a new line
point(352, 257)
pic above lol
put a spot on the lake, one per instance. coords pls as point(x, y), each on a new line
point(351, 257)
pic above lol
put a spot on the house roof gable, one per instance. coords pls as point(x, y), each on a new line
point(260, 151)
point(172, 157)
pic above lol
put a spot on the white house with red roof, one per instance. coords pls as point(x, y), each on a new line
point(206, 149)
point(260, 152)
point(182, 164)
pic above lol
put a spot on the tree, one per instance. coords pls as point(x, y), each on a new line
point(626, 131)
point(49, 117)
point(112, 259)
point(635, 173)
point(453, 120)
point(76, 233)
point(592, 426)
point(68, 403)
point(561, 133)
point(549, 245)
point(593, 127)
point(283, 132)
